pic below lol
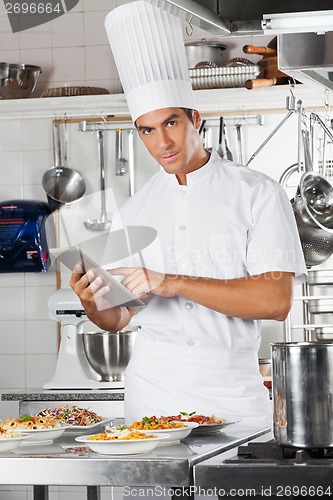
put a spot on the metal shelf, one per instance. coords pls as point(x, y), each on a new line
point(215, 101)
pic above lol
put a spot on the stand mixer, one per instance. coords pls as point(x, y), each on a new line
point(72, 370)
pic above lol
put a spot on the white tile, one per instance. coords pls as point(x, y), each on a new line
point(10, 135)
point(37, 37)
point(12, 337)
point(40, 369)
point(67, 30)
point(36, 302)
point(12, 371)
point(11, 167)
point(11, 192)
point(41, 337)
point(106, 5)
point(35, 164)
point(9, 409)
point(68, 64)
point(94, 31)
point(34, 192)
point(37, 135)
point(100, 63)
point(11, 303)
point(41, 279)
point(12, 55)
point(7, 37)
point(11, 279)
point(40, 57)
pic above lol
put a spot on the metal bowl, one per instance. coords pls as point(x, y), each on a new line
point(108, 354)
point(18, 81)
point(314, 201)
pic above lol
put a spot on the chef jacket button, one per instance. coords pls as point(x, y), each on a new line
point(182, 228)
point(185, 265)
point(190, 343)
point(182, 191)
point(188, 305)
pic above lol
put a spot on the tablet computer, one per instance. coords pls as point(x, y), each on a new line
point(118, 295)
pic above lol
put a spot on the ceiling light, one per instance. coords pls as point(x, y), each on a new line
point(298, 22)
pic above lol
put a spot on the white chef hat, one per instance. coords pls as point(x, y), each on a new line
point(149, 51)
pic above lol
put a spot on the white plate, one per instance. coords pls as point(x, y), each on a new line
point(210, 428)
point(121, 447)
point(42, 436)
point(92, 427)
point(9, 444)
point(174, 435)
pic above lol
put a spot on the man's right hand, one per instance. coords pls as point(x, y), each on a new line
point(91, 293)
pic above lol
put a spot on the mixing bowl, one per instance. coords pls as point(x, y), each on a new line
point(18, 81)
point(109, 353)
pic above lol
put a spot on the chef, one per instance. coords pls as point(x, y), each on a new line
point(229, 242)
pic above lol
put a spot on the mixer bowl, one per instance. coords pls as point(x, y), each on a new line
point(108, 353)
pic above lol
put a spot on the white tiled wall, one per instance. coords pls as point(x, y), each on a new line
point(72, 50)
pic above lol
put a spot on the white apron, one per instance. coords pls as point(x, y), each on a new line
point(164, 378)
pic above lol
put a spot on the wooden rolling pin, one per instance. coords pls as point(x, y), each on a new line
point(269, 74)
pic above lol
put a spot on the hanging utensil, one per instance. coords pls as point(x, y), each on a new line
point(220, 149)
point(202, 126)
point(120, 161)
point(61, 184)
point(102, 223)
point(131, 162)
point(317, 244)
point(239, 144)
point(314, 196)
point(227, 150)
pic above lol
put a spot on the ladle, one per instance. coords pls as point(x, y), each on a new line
point(62, 184)
point(102, 223)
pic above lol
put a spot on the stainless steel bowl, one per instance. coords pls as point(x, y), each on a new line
point(108, 354)
point(18, 81)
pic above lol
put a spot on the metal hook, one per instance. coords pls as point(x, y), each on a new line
point(189, 28)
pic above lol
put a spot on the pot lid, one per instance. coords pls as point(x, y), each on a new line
point(206, 43)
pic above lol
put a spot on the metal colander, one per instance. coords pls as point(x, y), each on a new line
point(317, 244)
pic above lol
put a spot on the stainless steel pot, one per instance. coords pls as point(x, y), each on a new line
point(302, 390)
point(109, 353)
point(205, 51)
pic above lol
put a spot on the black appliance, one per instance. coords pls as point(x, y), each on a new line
point(23, 244)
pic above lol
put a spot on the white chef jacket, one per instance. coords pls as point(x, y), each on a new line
point(227, 222)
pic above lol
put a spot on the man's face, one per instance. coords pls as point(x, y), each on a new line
point(172, 139)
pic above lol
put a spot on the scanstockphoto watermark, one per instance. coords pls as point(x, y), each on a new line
point(185, 492)
point(27, 14)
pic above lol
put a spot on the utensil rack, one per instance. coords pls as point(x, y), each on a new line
point(314, 302)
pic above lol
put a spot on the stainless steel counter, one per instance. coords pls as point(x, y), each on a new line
point(65, 463)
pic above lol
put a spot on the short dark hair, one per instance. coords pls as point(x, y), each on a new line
point(189, 113)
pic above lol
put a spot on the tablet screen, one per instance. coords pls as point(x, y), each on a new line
point(118, 295)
